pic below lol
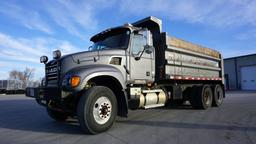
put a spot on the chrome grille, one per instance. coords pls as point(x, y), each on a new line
point(52, 70)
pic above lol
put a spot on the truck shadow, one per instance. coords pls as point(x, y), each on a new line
point(27, 115)
point(176, 106)
point(181, 125)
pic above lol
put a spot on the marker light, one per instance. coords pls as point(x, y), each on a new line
point(74, 81)
point(56, 54)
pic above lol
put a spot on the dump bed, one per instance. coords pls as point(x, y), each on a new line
point(188, 61)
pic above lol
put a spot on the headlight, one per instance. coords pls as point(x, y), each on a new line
point(43, 59)
point(71, 81)
point(56, 54)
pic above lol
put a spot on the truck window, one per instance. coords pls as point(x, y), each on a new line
point(138, 43)
point(112, 40)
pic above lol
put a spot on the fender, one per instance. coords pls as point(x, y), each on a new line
point(90, 71)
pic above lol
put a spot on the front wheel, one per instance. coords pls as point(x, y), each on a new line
point(97, 110)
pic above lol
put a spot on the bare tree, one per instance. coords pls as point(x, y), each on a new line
point(14, 75)
point(23, 76)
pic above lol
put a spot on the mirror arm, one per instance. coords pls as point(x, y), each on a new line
point(138, 58)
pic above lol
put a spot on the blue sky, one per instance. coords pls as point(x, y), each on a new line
point(31, 28)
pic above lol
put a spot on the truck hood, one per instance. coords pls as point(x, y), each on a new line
point(71, 61)
point(87, 56)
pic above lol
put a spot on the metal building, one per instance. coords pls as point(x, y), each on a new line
point(240, 72)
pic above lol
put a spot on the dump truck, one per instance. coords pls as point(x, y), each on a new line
point(11, 87)
point(3, 86)
point(133, 66)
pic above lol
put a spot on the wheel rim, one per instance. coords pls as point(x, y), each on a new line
point(102, 109)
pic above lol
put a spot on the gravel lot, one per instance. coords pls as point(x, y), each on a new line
point(23, 121)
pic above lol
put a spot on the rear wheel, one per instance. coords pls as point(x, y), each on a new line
point(56, 115)
point(218, 95)
point(97, 110)
point(201, 97)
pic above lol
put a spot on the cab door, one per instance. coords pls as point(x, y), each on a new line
point(141, 62)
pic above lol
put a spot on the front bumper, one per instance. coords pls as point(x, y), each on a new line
point(44, 94)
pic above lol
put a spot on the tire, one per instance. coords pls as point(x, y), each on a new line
point(97, 110)
point(201, 97)
point(218, 96)
point(56, 115)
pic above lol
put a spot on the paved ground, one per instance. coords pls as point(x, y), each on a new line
point(22, 121)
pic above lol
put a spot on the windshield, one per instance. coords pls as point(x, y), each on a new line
point(112, 40)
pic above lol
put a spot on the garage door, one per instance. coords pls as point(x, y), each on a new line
point(248, 78)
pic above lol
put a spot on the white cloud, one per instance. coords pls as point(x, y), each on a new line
point(28, 18)
point(67, 48)
point(217, 13)
point(18, 53)
point(82, 17)
point(30, 50)
point(16, 49)
point(74, 17)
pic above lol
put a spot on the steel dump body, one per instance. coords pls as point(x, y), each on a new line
point(188, 61)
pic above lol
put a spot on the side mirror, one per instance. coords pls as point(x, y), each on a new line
point(148, 49)
point(137, 57)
